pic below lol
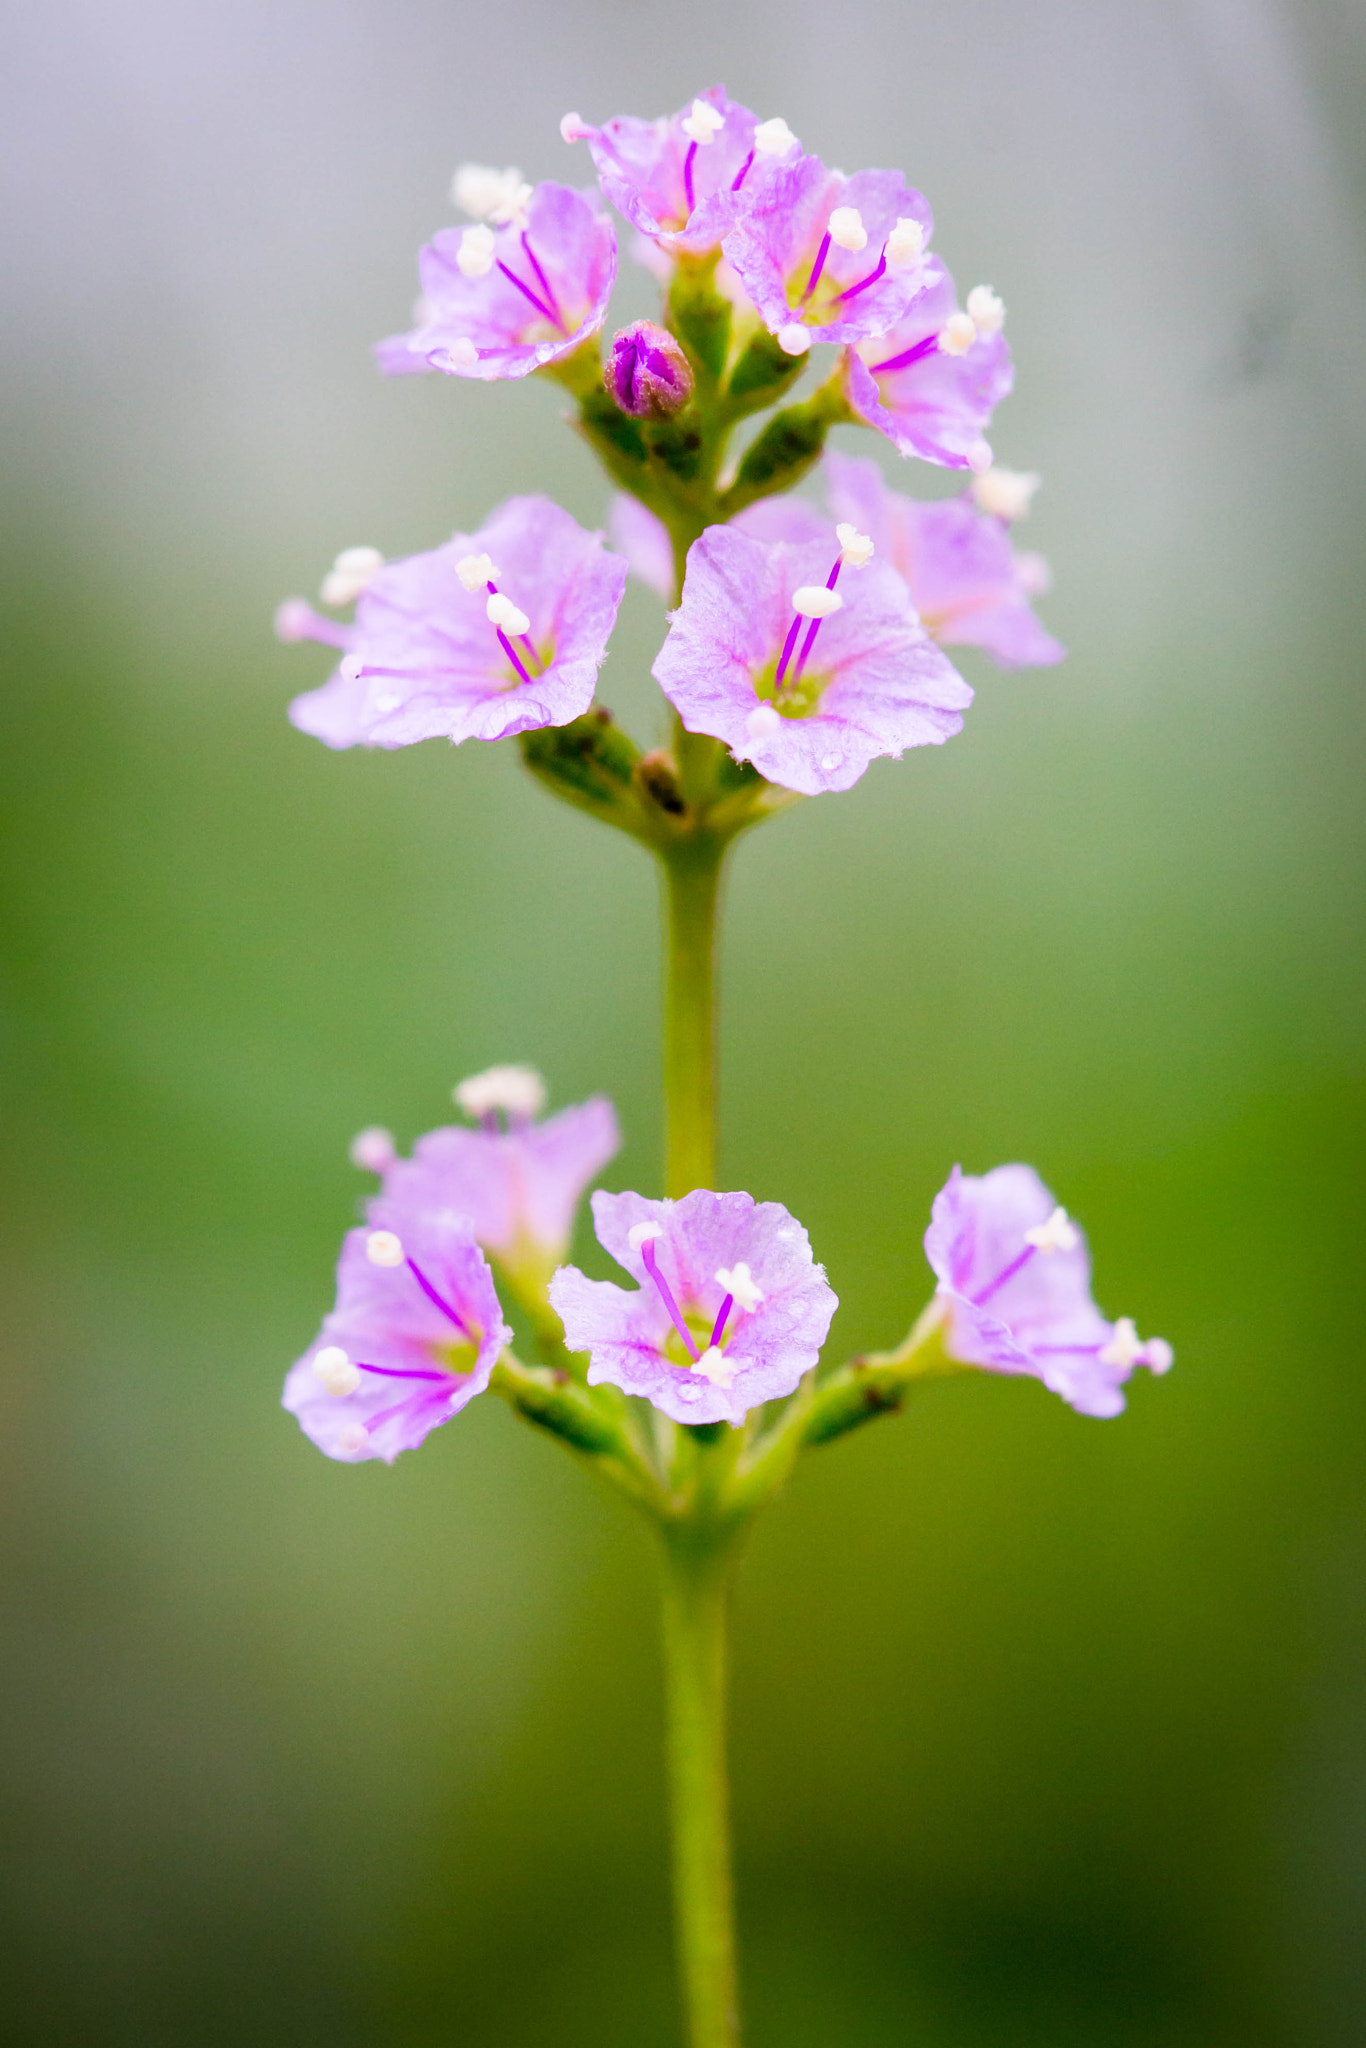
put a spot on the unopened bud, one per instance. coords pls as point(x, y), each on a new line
point(646, 371)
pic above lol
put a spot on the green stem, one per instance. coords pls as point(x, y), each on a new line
point(695, 1588)
point(692, 875)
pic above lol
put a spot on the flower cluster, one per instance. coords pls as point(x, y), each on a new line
point(804, 641)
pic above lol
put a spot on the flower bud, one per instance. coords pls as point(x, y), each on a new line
point(646, 371)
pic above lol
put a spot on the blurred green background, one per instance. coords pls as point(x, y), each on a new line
point(1046, 1731)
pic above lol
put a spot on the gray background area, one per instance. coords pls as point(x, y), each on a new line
point(1046, 1731)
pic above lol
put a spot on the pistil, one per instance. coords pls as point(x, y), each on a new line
point(642, 1239)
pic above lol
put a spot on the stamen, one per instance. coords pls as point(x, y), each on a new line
point(958, 334)
point(914, 354)
point(774, 138)
point(811, 602)
point(738, 180)
point(501, 611)
point(817, 267)
point(438, 1301)
point(645, 1245)
point(853, 290)
point(906, 243)
point(793, 339)
point(793, 630)
point(382, 1248)
point(519, 1091)
point(373, 1149)
point(1124, 1349)
point(688, 163)
point(740, 1282)
point(511, 652)
point(352, 572)
point(338, 1375)
point(719, 1326)
point(984, 1294)
point(543, 280)
point(474, 257)
point(525, 290)
point(488, 194)
point(398, 1372)
point(474, 570)
point(355, 1438)
point(986, 311)
point(703, 124)
point(847, 230)
point(856, 549)
point(296, 620)
point(1058, 1234)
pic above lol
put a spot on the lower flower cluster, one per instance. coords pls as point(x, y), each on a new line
point(728, 1309)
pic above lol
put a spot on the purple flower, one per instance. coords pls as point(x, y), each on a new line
point(516, 1185)
point(686, 178)
point(931, 382)
point(741, 660)
point(729, 1309)
point(415, 1334)
point(498, 632)
point(501, 301)
point(966, 581)
point(646, 371)
point(1015, 1279)
point(830, 258)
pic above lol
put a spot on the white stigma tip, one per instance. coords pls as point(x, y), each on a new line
point(958, 334)
point(1008, 493)
point(856, 549)
point(987, 312)
point(814, 601)
point(332, 1366)
point(518, 1090)
point(712, 1366)
point(740, 1283)
point(382, 1248)
point(352, 572)
point(573, 128)
point(763, 722)
point(476, 571)
point(1058, 1234)
point(1124, 1348)
point(474, 257)
point(487, 194)
point(294, 620)
point(643, 1233)
point(703, 124)
point(794, 340)
point(503, 612)
point(905, 244)
point(847, 230)
point(373, 1150)
point(350, 668)
point(774, 138)
point(462, 354)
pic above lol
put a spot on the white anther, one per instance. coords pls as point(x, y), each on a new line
point(474, 257)
point(814, 601)
point(1158, 1355)
point(332, 1366)
point(763, 722)
point(1033, 575)
point(518, 1090)
point(987, 312)
point(476, 571)
point(382, 1248)
point(958, 334)
point(712, 1366)
point(741, 1283)
point(643, 1233)
point(794, 339)
point(703, 124)
point(774, 138)
point(1006, 492)
point(856, 550)
point(1124, 1348)
point(1058, 1234)
point(573, 128)
point(847, 230)
point(352, 572)
point(462, 354)
point(350, 668)
point(488, 194)
point(503, 612)
point(373, 1150)
point(353, 1439)
point(294, 620)
point(905, 244)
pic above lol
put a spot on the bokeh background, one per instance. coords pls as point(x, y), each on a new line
point(1046, 1731)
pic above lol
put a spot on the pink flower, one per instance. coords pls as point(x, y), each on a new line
point(767, 655)
point(932, 381)
point(503, 301)
point(1015, 1281)
point(497, 632)
point(729, 1308)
